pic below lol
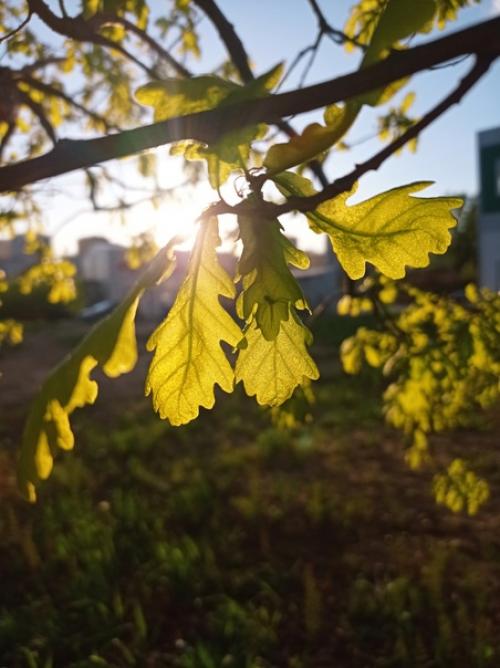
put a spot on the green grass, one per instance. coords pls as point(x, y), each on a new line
point(238, 542)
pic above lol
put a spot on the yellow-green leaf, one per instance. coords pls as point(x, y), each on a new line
point(188, 359)
point(110, 345)
point(314, 139)
point(271, 370)
point(269, 287)
point(459, 488)
point(179, 97)
point(391, 230)
point(400, 19)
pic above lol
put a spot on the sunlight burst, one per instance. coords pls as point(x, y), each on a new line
point(178, 218)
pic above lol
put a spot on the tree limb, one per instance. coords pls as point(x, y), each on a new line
point(346, 183)
point(209, 126)
point(240, 59)
point(229, 37)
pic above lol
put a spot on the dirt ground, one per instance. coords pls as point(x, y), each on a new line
point(348, 516)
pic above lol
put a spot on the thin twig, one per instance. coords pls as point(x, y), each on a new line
point(49, 90)
point(18, 29)
point(326, 28)
point(239, 57)
point(153, 44)
point(311, 60)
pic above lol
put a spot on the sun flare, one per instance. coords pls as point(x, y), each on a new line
point(177, 218)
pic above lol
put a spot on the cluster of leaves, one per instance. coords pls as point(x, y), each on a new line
point(365, 16)
point(443, 359)
point(11, 332)
point(259, 322)
point(267, 342)
point(460, 488)
point(177, 97)
point(272, 358)
point(57, 274)
point(397, 121)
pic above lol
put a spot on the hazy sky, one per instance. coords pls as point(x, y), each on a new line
point(275, 30)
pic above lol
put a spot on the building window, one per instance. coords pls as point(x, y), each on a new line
point(490, 178)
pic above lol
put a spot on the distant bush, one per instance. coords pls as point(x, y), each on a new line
point(35, 305)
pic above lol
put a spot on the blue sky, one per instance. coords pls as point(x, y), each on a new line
point(274, 31)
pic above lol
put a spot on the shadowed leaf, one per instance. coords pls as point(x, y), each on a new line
point(269, 287)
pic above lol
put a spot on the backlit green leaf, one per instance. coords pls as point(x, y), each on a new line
point(400, 19)
point(391, 230)
point(271, 370)
point(314, 139)
point(269, 287)
point(110, 345)
point(188, 359)
point(178, 97)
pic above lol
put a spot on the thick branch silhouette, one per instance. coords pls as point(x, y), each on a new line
point(241, 61)
point(483, 40)
point(346, 183)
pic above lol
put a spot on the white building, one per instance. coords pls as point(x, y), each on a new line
point(489, 209)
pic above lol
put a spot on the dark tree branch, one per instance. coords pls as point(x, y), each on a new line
point(240, 59)
point(229, 37)
point(209, 126)
point(346, 183)
point(81, 31)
